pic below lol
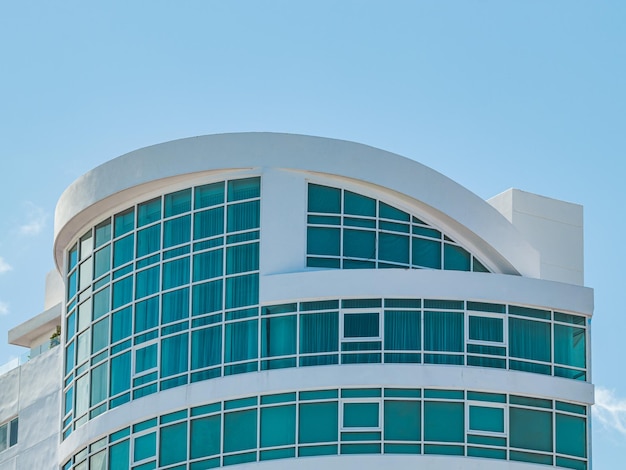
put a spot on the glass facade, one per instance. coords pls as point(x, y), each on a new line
point(8, 434)
point(153, 293)
point(348, 421)
point(165, 294)
point(352, 231)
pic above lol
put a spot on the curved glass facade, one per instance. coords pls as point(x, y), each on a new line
point(348, 421)
point(352, 231)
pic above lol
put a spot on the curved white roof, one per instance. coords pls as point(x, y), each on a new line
point(108, 185)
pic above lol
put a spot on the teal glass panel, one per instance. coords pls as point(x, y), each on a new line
point(243, 216)
point(388, 212)
point(444, 304)
point(443, 331)
point(207, 297)
point(242, 237)
point(205, 436)
point(318, 422)
point(239, 458)
point(148, 212)
point(319, 395)
point(443, 449)
point(241, 341)
point(571, 408)
point(145, 358)
point(99, 382)
point(403, 449)
point(123, 250)
point(478, 267)
point(486, 440)
point(358, 244)
point(176, 273)
point(278, 454)
point(403, 392)
point(530, 429)
point(209, 195)
point(278, 426)
point(175, 306)
point(402, 420)
point(100, 335)
point(174, 355)
point(146, 314)
point(567, 318)
point(317, 450)
point(406, 358)
point(176, 449)
point(569, 346)
point(206, 347)
point(360, 415)
point(426, 232)
point(571, 463)
point(483, 349)
point(176, 252)
point(148, 240)
point(444, 422)
point(426, 253)
point(72, 258)
point(278, 398)
point(355, 204)
point(119, 456)
point(530, 312)
point(530, 367)
point(323, 241)
point(361, 393)
point(403, 303)
point(483, 396)
point(71, 285)
point(242, 291)
point(243, 313)
point(178, 202)
point(528, 401)
point(206, 409)
point(278, 336)
point(282, 308)
point(571, 435)
point(124, 222)
point(324, 199)
point(102, 262)
point(209, 223)
point(69, 358)
point(529, 339)
point(177, 231)
point(120, 373)
point(486, 307)
point(175, 416)
point(485, 418)
point(347, 221)
point(246, 188)
point(360, 448)
point(531, 458)
point(486, 329)
point(121, 324)
point(319, 305)
point(354, 264)
point(450, 394)
point(240, 430)
point(402, 330)
point(456, 258)
point(486, 453)
point(242, 258)
point(103, 233)
point(208, 265)
point(69, 401)
point(319, 332)
point(145, 447)
point(361, 325)
point(147, 282)
point(101, 305)
point(150, 466)
point(241, 403)
point(393, 248)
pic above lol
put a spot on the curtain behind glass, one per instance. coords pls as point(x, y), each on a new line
point(443, 331)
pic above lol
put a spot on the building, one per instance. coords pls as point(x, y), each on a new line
point(290, 302)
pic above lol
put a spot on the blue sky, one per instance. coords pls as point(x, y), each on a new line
point(528, 94)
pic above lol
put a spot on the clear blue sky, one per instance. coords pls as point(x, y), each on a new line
point(528, 94)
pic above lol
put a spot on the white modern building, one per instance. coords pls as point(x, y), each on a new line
point(272, 301)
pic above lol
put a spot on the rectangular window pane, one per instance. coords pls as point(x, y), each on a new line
point(360, 415)
point(99, 380)
point(121, 325)
point(426, 253)
point(209, 195)
point(361, 325)
point(176, 449)
point(278, 426)
point(402, 331)
point(242, 258)
point(403, 420)
point(530, 429)
point(486, 418)
point(240, 430)
point(529, 339)
point(208, 223)
point(244, 216)
point(571, 435)
point(393, 248)
point(324, 199)
point(178, 202)
point(207, 297)
point(103, 233)
point(486, 329)
point(206, 347)
point(319, 332)
point(124, 222)
point(455, 258)
point(120, 373)
point(123, 250)
point(148, 212)
point(242, 291)
point(569, 346)
point(355, 204)
point(323, 241)
point(278, 336)
point(241, 341)
point(174, 355)
point(208, 265)
point(356, 243)
point(148, 240)
point(177, 231)
point(444, 422)
point(13, 432)
point(318, 422)
point(244, 189)
point(443, 331)
point(205, 436)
